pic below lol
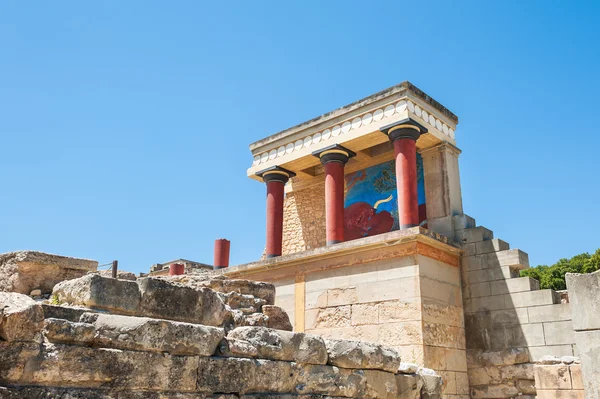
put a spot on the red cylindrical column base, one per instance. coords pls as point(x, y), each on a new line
point(334, 202)
point(274, 218)
point(405, 149)
point(175, 269)
point(221, 256)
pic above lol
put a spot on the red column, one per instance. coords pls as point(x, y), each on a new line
point(333, 158)
point(176, 269)
point(405, 149)
point(221, 255)
point(404, 135)
point(274, 218)
point(334, 201)
point(275, 177)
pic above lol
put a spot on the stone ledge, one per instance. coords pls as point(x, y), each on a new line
point(416, 240)
point(148, 297)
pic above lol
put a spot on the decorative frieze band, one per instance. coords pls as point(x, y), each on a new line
point(355, 123)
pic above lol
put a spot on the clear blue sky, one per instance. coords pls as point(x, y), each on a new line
point(125, 124)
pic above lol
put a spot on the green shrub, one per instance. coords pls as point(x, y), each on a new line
point(554, 276)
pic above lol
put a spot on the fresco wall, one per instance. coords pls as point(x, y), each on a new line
point(371, 204)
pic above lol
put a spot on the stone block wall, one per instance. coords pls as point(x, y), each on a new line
point(556, 379)
point(89, 352)
point(412, 304)
point(584, 291)
point(504, 313)
point(304, 219)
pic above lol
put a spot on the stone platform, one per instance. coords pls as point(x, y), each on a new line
point(400, 289)
point(158, 338)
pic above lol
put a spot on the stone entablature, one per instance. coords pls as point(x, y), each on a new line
point(356, 127)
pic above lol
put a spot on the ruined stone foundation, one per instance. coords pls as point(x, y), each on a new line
point(184, 338)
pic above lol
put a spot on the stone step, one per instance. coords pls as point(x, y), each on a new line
point(514, 258)
point(461, 222)
point(517, 284)
point(512, 301)
point(494, 245)
point(511, 257)
point(501, 287)
point(474, 234)
point(498, 273)
point(532, 298)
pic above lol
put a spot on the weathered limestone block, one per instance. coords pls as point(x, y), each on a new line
point(329, 380)
point(265, 291)
point(362, 355)
point(14, 357)
point(247, 304)
point(253, 320)
point(227, 375)
point(274, 376)
point(21, 318)
point(526, 387)
point(408, 368)
point(121, 274)
point(25, 392)
point(583, 295)
point(235, 375)
point(97, 292)
point(432, 383)
point(65, 331)
point(365, 314)
point(84, 367)
point(154, 335)
point(273, 344)
point(25, 271)
point(498, 358)
point(277, 318)
point(409, 386)
point(151, 297)
point(78, 393)
point(495, 391)
point(63, 312)
point(552, 377)
point(168, 395)
point(162, 299)
point(339, 316)
point(380, 385)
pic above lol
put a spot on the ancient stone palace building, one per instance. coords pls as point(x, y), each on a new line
point(366, 238)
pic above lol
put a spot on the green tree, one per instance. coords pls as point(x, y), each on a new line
point(554, 276)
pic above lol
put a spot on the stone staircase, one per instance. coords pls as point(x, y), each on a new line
point(506, 314)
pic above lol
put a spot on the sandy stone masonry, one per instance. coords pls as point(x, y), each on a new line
point(105, 340)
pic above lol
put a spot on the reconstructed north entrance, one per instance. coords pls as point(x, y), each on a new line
point(366, 238)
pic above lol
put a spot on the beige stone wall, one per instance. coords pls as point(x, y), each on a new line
point(377, 302)
point(285, 295)
point(412, 304)
point(554, 381)
point(443, 328)
point(304, 219)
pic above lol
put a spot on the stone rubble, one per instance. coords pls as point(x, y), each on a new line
point(158, 338)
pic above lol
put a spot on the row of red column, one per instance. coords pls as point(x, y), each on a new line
point(403, 135)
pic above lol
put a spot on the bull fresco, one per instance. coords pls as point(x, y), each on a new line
point(371, 204)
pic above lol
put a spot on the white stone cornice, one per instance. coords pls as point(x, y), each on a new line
point(362, 120)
